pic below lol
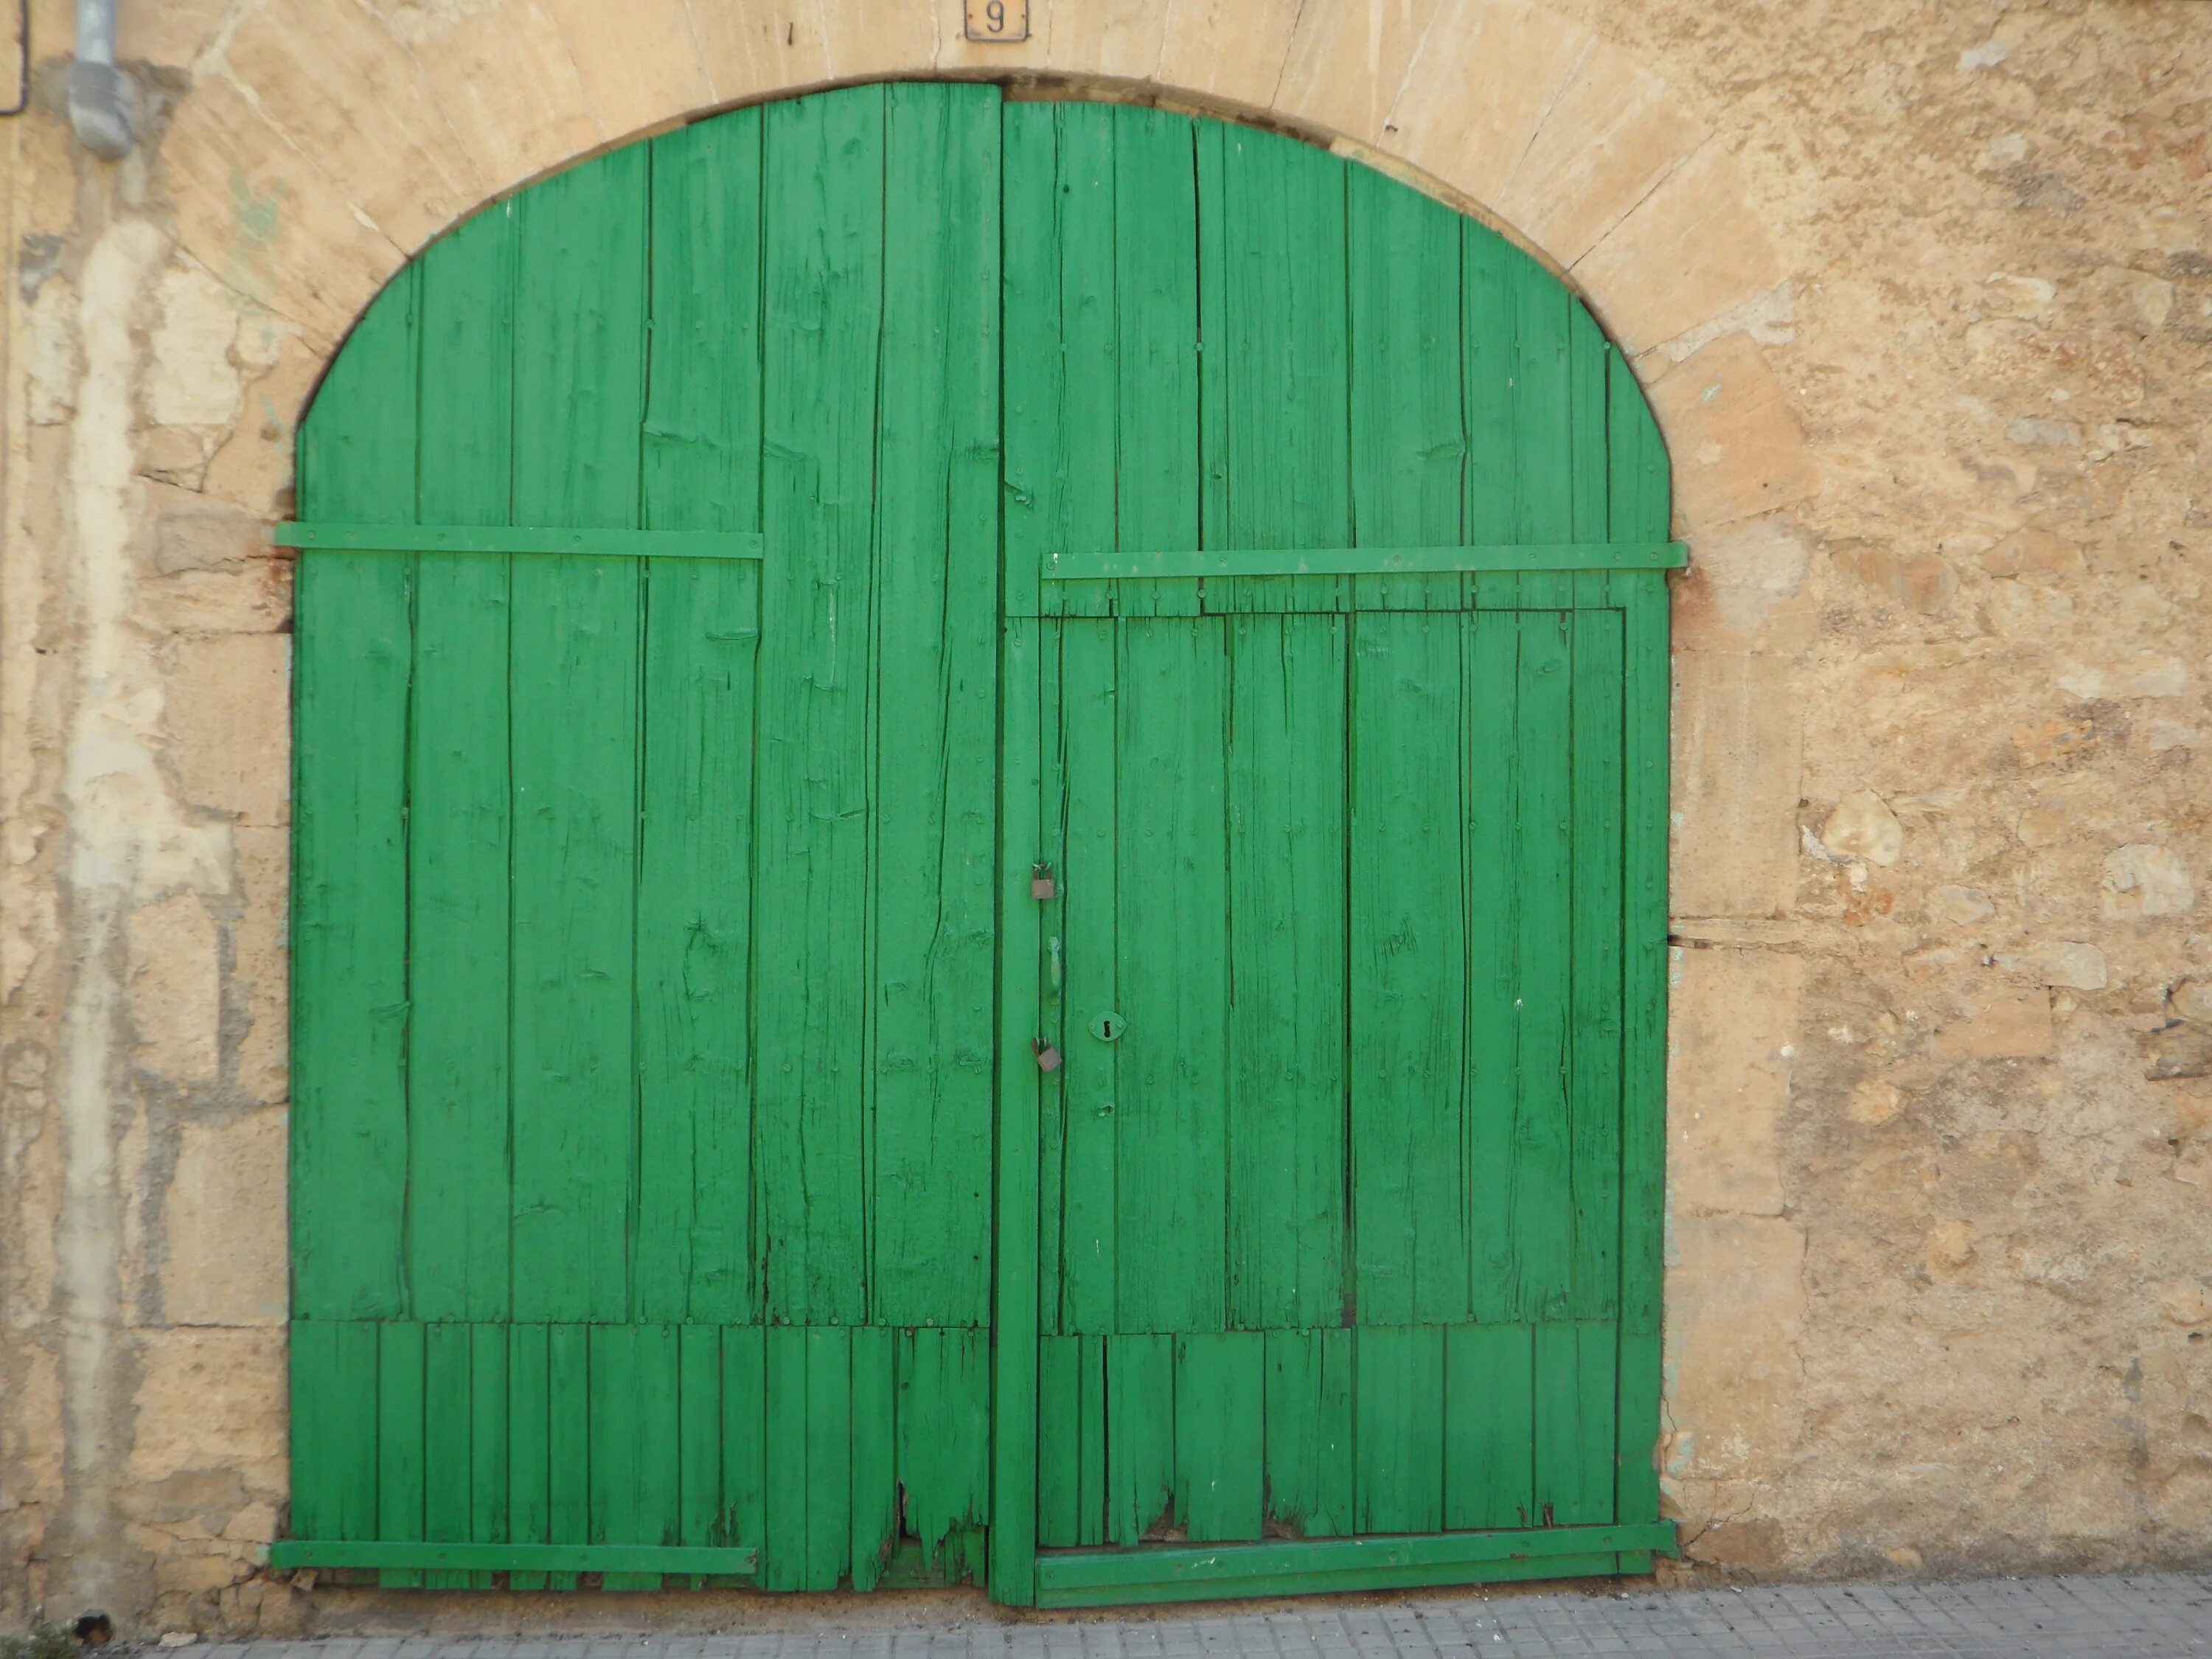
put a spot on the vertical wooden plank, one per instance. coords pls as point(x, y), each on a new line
point(579, 393)
point(636, 1448)
point(874, 1433)
point(1639, 506)
point(823, 278)
point(1489, 1426)
point(530, 1447)
point(458, 831)
point(1012, 1576)
point(937, 488)
point(1575, 1380)
point(1092, 1472)
point(698, 1439)
point(1091, 1085)
point(1220, 1471)
point(1140, 1437)
point(489, 1435)
point(333, 1429)
point(447, 1434)
point(1285, 1128)
point(1308, 1431)
point(1157, 281)
point(1408, 422)
point(1542, 407)
point(1172, 1234)
point(1398, 1396)
point(1491, 362)
point(1059, 1427)
point(1493, 954)
point(694, 1240)
point(1281, 206)
point(829, 1440)
point(1408, 970)
point(1594, 1100)
point(348, 1145)
point(945, 1443)
point(1542, 1198)
point(783, 1546)
point(744, 1518)
point(568, 1440)
point(399, 1447)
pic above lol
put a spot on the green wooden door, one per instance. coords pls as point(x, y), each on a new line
point(1331, 538)
point(732, 567)
point(645, 918)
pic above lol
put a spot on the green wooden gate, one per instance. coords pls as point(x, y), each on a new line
point(979, 827)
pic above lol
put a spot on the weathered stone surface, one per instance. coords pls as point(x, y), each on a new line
point(211, 1400)
point(2192, 999)
point(1692, 251)
point(1478, 88)
point(1863, 827)
point(260, 217)
point(2067, 963)
point(1735, 1300)
point(1735, 443)
point(1615, 131)
point(2006, 1025)
point(2143, 880)
point(1347, 62)
point(1231, 50)
point(335, 81)
point(213, 1271)
point(230, 722)
point(1737, 738)
point(640, 62)
point(260, 961)
point(191, 380)
point(511, 92)
point(1732, 1016)
point(175, 991)
point(747, 49)
point(878, 37)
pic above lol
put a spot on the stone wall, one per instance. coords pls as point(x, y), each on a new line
point(1924, 297)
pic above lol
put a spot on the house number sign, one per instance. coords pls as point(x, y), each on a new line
point(998, 19)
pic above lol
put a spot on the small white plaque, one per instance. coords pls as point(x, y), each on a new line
point(999, 20)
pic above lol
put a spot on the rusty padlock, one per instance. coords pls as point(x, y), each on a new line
point(1041, 884)
point(1048, 1057)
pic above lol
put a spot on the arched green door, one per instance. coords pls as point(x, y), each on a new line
point(980, 824)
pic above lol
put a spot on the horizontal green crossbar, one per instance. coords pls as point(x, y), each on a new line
point(1091, 1577)
point(515, 1558)
point(1366, 560)
point(497, 539)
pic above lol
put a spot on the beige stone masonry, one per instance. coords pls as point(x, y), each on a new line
point(511, 92)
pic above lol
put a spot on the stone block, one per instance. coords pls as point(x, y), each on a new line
point(176, 1000)
point(230, 719)
point(1615, 131)
point(210, 1399)
point(190, 378)
point(1347, 64)
point(1110, 40)
point(748, 49)
point(1731, 1023)
point(1736, 1315)
point(1692, 250)
point(251, 468)
point(1478, 88)
point(511, 91)
point(2001, 1025)
point(259, 215)
point(1735, 441)
point(260, 943)
point(869, 38)
point(1738, 741)
point(335, 81)
point(224, 1261)
point(640, 64)
point(1231, 50)
point(171, 35)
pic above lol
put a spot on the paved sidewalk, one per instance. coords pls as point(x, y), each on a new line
point(2152, 1616)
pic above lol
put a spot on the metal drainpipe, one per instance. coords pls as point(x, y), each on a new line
point(98, 92)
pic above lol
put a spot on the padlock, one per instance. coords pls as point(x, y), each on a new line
point(1048, 1057)
point(1041, 887)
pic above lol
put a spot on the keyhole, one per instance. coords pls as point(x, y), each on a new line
point(1107, 1027)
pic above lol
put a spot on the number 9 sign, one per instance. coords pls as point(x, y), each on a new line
point(998, 19)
